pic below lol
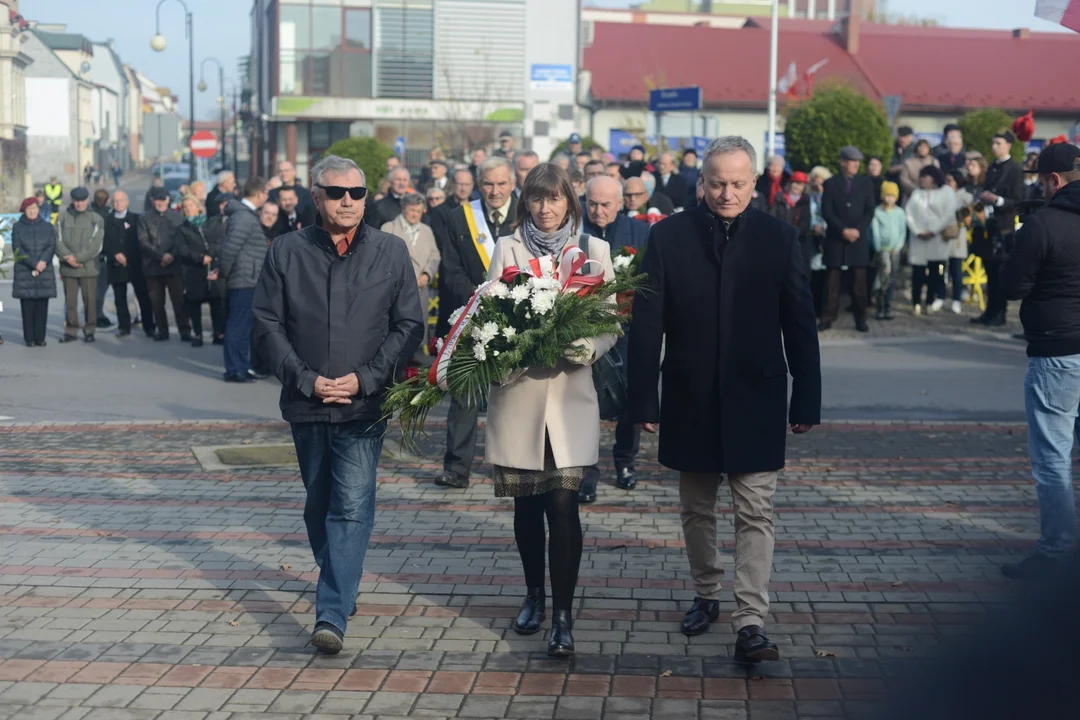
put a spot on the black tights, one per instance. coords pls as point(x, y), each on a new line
point(564, 550)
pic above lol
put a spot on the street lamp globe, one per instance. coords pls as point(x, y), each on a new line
point(158, 42)
point(202, 86)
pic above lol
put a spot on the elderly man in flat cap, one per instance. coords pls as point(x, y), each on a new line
point(79, 235)
point(847, 206)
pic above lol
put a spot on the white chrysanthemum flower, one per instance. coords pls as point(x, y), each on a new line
point(621, 262)
point(439, 345)
point(543, 302)
point(499, 290)
point(519, 293)
point(542, 284)
point(456, 315)
point(479, 352)
point(509, 332)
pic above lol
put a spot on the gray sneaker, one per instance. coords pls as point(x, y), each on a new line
point(327, 638)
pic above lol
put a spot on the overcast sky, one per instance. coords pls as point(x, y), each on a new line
point(222, 30)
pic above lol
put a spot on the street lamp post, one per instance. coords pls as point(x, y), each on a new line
point(221, 98)
point(158, 44)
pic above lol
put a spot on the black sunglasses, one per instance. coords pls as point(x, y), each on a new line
point(336, 192)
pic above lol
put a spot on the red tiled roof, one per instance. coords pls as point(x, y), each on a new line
point(931, 68)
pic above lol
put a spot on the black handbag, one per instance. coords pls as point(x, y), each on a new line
point(608, 373)
point(610, 381)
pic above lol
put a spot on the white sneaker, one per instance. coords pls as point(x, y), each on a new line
point(936, 305)
point(956, 307)
point(917, 310)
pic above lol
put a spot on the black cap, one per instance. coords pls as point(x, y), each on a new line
point(638, 147)
point(159, 193)
point(506, 134)
point(904, 131)
point(1059, 158)
point(80, 193)
point(1006, 136)
point(575, 139)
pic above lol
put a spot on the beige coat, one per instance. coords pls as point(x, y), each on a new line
point(561, 401)
point(422, 249)
point(909, 178)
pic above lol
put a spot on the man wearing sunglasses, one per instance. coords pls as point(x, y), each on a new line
point(336, 312)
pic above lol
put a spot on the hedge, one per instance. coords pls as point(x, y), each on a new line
point(837, 115)
point(367, 152)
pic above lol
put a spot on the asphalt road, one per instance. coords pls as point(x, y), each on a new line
point(936, 377)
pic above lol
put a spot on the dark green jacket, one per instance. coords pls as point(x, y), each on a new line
point(79, 234)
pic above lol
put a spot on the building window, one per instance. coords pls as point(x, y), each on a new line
point(325, 51)
point(405, 52)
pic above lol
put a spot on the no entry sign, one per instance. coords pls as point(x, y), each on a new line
point(204, 144)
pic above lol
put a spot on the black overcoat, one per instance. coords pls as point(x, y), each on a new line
point(842, 209)
point(731, 304)
point(122, 236)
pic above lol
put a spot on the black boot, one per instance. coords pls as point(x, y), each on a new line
point(561, 643)
point(532, 612)
point(753, 646)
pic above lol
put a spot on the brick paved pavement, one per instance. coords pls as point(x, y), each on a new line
point(135, 585)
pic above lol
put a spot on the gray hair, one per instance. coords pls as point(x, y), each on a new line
point(524, 154)
point(397, 170)
point(334, 164)
point(777, 159)
point(495, 161)
point(727, 145)
point(411, 199)
point(433, 191)
point(225, 175)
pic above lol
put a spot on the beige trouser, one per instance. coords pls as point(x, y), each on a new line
point(752, 496)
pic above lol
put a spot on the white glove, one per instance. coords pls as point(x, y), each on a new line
point(582, 351)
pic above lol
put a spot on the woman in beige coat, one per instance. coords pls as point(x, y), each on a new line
point(909, 178)
point(423, 249)
point(543, 427)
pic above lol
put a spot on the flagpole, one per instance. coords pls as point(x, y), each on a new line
point(773, 46)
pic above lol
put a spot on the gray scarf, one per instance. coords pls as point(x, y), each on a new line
point(541, 244)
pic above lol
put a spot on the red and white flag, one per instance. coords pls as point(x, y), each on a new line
point(788, 82)
point(808, 77)
point(1062, 12)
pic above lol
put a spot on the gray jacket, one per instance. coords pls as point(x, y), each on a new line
point(244, 247)
point(79, 234)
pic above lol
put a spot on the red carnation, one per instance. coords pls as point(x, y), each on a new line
point(412, 374)
point(629, 250)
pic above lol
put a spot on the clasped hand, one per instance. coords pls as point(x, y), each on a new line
point(337, 391)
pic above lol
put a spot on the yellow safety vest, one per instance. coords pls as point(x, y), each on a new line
point(53, 193)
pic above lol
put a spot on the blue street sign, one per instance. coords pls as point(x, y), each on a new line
point(551, 77)
point(1034, 146)
point(399, 146)
point(669, 99)
point(700, 143)
point(779, 143)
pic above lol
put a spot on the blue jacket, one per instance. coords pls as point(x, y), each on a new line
point(623, 231)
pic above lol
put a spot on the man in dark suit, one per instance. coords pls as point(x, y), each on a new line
point(438, 177)
point(1002, 190)
point(293, 216)
point(286, 178)
point(387, 209)
point(728, 289)
point(465, 260)
point(461, 188)
point(668, 182)
point(847, 206)
point(603, 198)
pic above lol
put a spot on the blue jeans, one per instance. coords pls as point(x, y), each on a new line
point(1052, 397)
point(956, 276)
point(338, 463)
point(238, 324)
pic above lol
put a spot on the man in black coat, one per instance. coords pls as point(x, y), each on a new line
point(847, 206)
point(668, 182)
point(729, 292)
point(124, 259)
point(225, 188)
point(1003, 190)
point(461, 188)
point(336, 309)
point(465, 259)
point(286, 178)
point(387, 209)
point(293, 215)
point(1044, 272)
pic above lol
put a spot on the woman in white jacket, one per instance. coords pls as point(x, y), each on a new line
point(930, 210)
